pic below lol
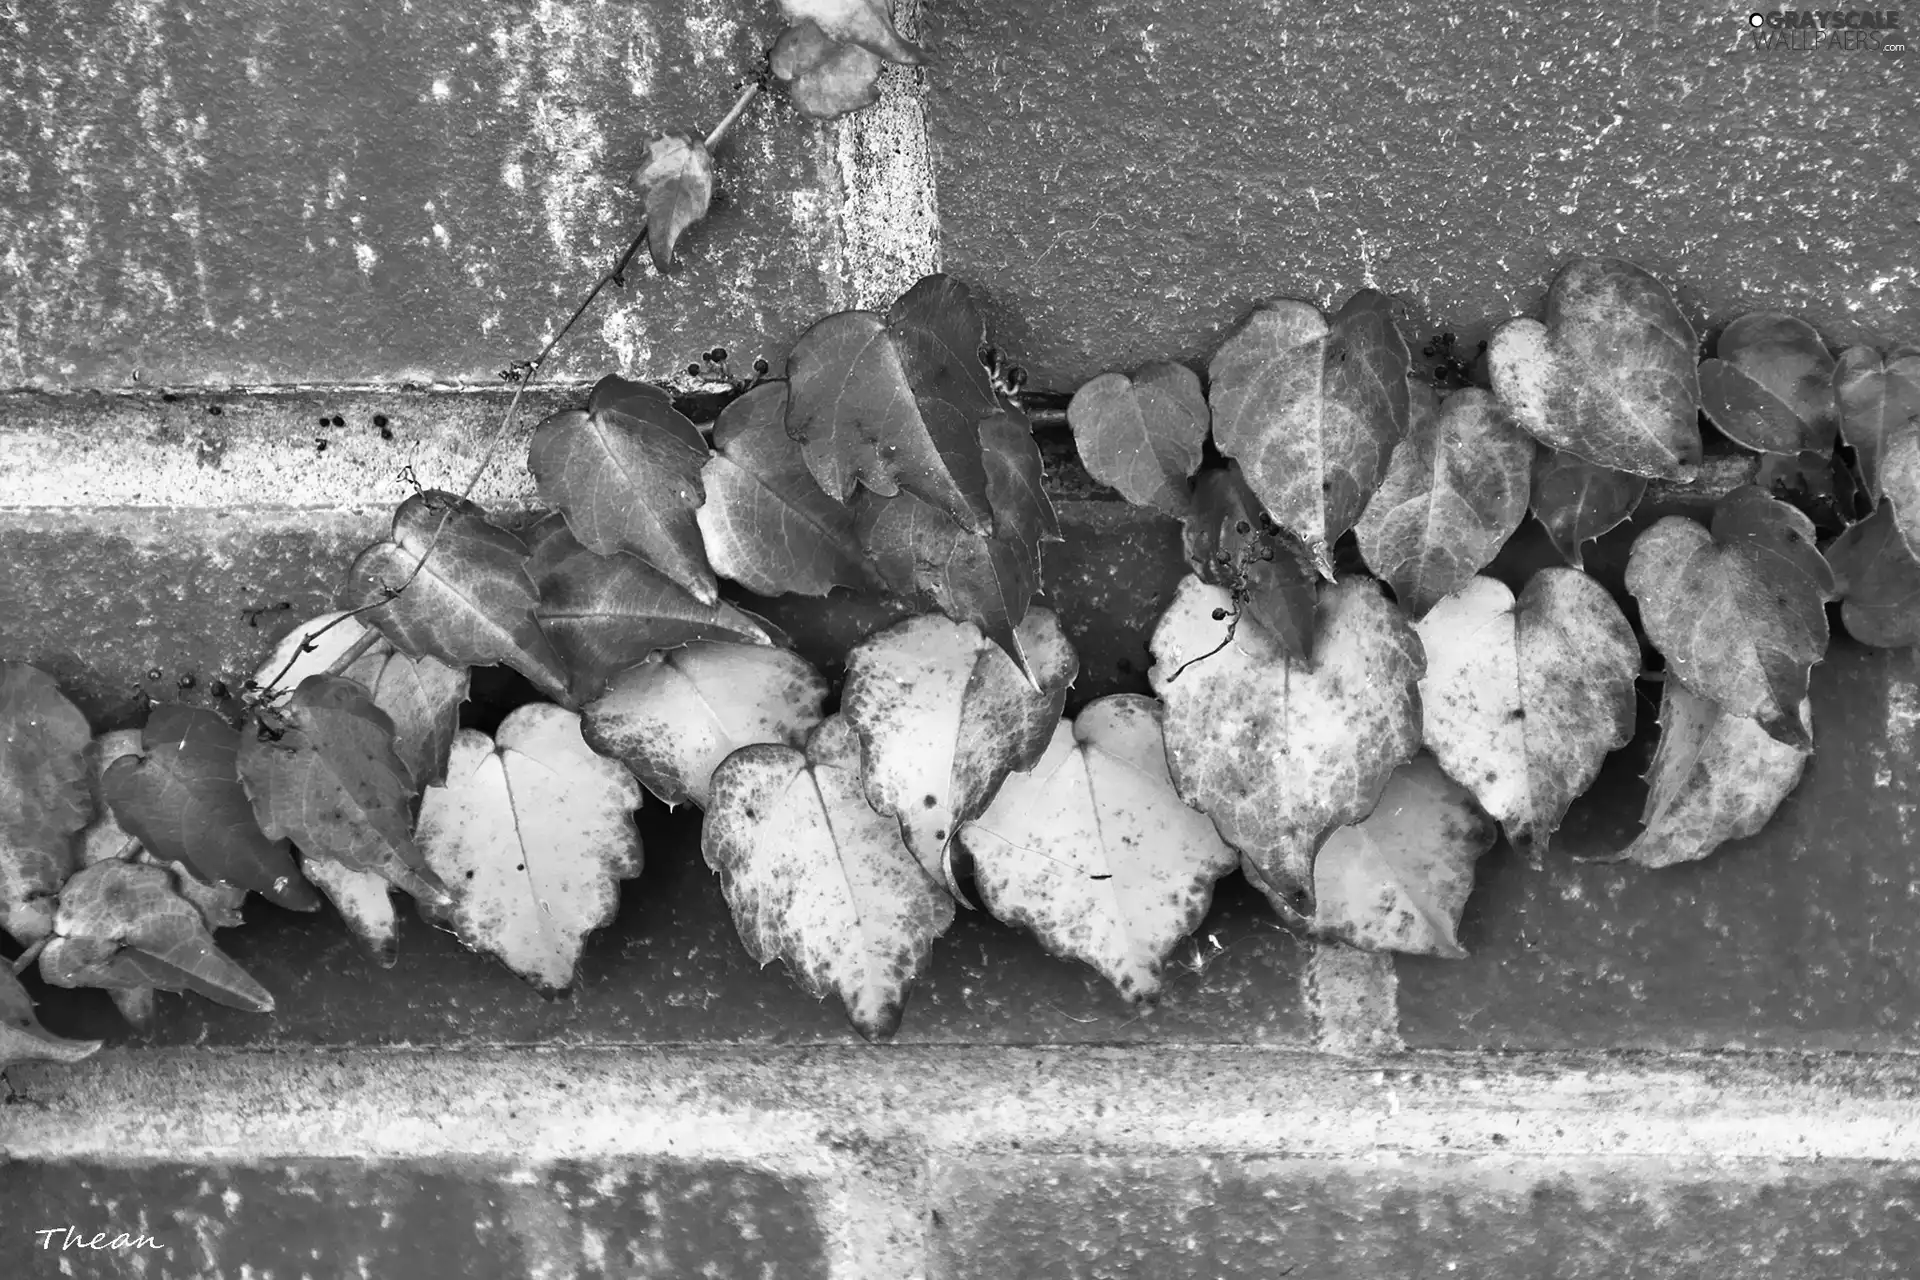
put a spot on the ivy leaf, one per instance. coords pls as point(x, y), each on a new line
point(1770, 386)
point(532, 834)
point(677, 182)
point(1280, 751)
point(895, 402)
point(1455, 490)
point(1398, 879)
point(1577, 500)
point(218, 902)
point(1142, 435)
point(1610, 376)
point(1716, 777)
point(121, 925)
point(1231, 542)
point(1877, 576)
point(766, 524)
point(470, 604)
point(1311, 408)
point(866, 23)
point(1523, 699)
point(1739, 612)
point(673, 718)
point(422, 695)
point(44, 800)
point(605, 613)
point(183, 801)
point(22, 1038)
point(816, 878)
point(1879, 403)
point(625, 471)
point(825, 78)
point(943, 716)
point(1094, 851)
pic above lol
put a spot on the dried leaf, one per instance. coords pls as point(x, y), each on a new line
point(532, 834)
point(1399, 879)
point(1577, 500)
point(1231, 542)
point(625, 471)
point(1280, 751)
point(1455, 490)
point(816, 878)
point(44, 799)
point(1522, 700)
point(1311, 408)
point(470, 604)
point(677, 182)
point(1877, 575)
point(943, 716)
point(1879, 397)
point(1739, 612)
point(767, 525)
point(866, 23)
point(183, 801)
point(1142, 435)
point(674, 718)
point(1770, 386)
point(1094, 851)
point(1716, 777)
point(22, 1038)
point(825, 78)
point(1610, 376)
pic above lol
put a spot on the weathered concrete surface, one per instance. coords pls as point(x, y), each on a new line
point(1121, 180)
point(1078, 1218)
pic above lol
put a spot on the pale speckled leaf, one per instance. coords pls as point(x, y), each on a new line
point(1770, 386)
point(1577, 501)
point(944, 716)
point(532, 834)
point(1278, 751)
point(1522, 700)
point(364, 900)
point(1142, 434)
point(22, 1038)
point(1715, 777)
point(674, 718)
point(817, 878)
point(867, 23)
point(1455, 489)
point(1612, 374)
point(825, 78)
point(44, 801)
point(1311, 408)
point(1399, 879)
point(1094, 851)
point(1879, 398)
point(677, 183)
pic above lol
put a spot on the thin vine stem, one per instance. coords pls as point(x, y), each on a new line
point(27, 957)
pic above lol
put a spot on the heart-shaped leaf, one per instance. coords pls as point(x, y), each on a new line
point(816, 878)
point(1399, 879)
point(625, 471)
point(825, 78)
point(1094, 851)
point(1877, 575)
point(767, 525)
point(1716, 777)
point(1142, 435)
point(677, 183)
point(1455, 490)
point(1311, 408)
point(1280, 751)
point(532, 834)
point(422, 696)
point(1879, 398)
point(1611, 375)
point(122, 925)
point(183, 801)
point(1739, 612)
point(1577, 500)
point(471, 601)
point(1231, 542)
point(22, 1038)
point(1523, 699)
point(944, 716)
point(44, 799)
point(867, 23)
point(1770, 385)
point(895, 402)
point(673, 718)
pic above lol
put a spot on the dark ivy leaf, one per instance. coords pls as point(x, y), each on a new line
point(1142, 435)
point(22, 1038)
point(1770, 385)
point(1230, 542)
point(677, 180)
point(1877, 577)
point(1879, 399)
point(866, 23)
point(825, 78)
point(44, 799)
point(1577, 500)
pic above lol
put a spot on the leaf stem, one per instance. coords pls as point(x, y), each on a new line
point(738, 109)
point(27, 957)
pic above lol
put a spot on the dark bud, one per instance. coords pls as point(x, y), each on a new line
point(1219, 615)
point(693, 370)
point(760, 368)
point(218, 689)
point(155, 674)
point(1242, 528)
point(185, 681)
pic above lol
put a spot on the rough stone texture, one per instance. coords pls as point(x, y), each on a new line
point(281, 1220)
point(256, 191)
point(1122, 181)
point(1082, 1218)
